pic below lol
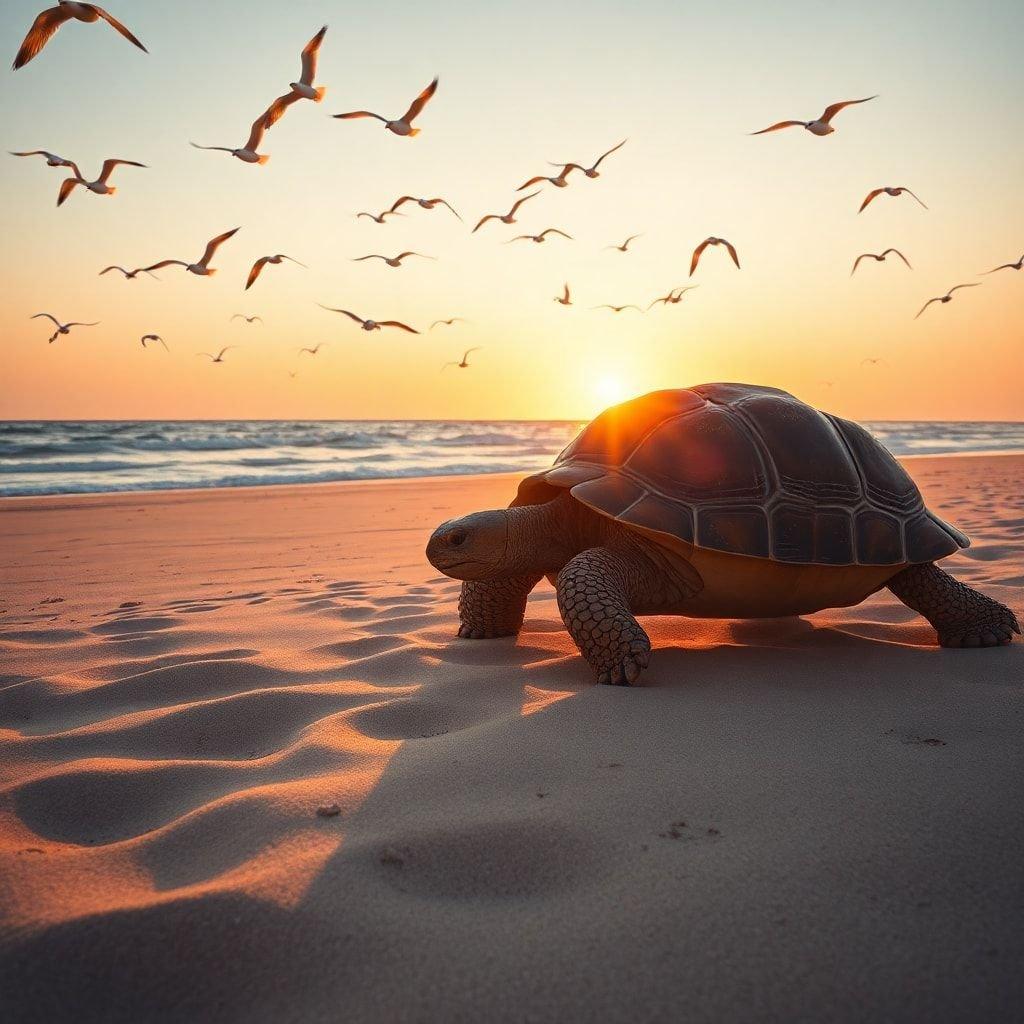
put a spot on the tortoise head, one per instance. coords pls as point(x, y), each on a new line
point(474, 547)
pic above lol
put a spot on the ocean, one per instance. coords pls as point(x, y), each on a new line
point(88, 457)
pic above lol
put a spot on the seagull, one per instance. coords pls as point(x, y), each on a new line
point(403, 124)
point(540, 238)
point(560, 180)
point(247, 319)
point(447, 323)
point(378, 218)
point(617, 309)
point(712, 241)
point(625, 245)
point(889, 191)
point(592, 172)
point(675, 296)
point(821, 126)
point(392, 261)
point(565, 299)
point(154, 337)
point(878, 258)
point(293, 373)
point(304, 88)
point(371, 325)
point(427, 204)
point(872, 361)
point(463, 363)
point(944, 298)
point(313, 351)
point(257, 267)
point(202, 268)
point(52, 160)
point(99, 186)
point(61, 328)
point(1008, 266)
point(219, 357)
point(130, 275)
point(247, 153)
point(508, 218)
point(51, 19)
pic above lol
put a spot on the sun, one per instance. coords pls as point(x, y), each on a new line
point(610, 390)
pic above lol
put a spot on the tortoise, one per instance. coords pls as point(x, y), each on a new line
point(722, 500)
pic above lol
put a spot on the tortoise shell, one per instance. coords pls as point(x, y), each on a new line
point(750, 471)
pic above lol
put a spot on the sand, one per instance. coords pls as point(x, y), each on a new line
point(247, 774)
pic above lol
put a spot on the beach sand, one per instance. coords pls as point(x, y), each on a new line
point(248, 774)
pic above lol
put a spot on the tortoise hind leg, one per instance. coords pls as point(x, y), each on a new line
point(961, 616)
point(593, 596)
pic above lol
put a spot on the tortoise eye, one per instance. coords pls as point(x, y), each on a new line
point(457, 537)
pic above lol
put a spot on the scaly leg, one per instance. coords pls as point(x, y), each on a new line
point(962, 617)
point(593, 597)
point(489, 609)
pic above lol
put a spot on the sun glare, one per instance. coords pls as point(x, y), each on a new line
point(609, 390)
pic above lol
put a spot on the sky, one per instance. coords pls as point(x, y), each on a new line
point(520, 85)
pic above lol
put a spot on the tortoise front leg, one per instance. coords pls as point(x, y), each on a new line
point(494, 608)
point(961, 616)
point(593, 597)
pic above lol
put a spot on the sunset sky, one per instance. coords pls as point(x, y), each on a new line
point(520, 85)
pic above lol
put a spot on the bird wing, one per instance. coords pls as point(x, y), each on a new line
point(445, 202)
point(309, 56)
point(351, 316)
point(519, 202)
point(625, 244)
point(468, 350)
point(223, 149)
point(1005, 266)
point(856, 262)
point(39, 34)
point(164, 343)
point(834, 109)
point(898, 253)
point(955, 287)
point(402, 255)
point(781, 124)
point(483, 220)
point(257, 268)
point(566, 295)
point(165, 263)
point(518, 238)
point(732, 253)
point(114, 23)
point(78, 323)
point(555, 231)
point(359, 113)
point(869, 197)
point(109, 165)
point(925, 306)
point(107, 269)
point(597, 162)
point(212, 246)
point(276, 110)
point(903, 188)
point(398, 202)
point(292, 259)
point(238, 316)
point(371, 256)
point(227, 348)
point(49, 316)
point(67, 186)
point(663, 299)
point(532, 181)
point(417, 105)
point(398, 323)
point(697, 254)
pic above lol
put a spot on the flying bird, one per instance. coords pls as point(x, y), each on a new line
point(154, 337)
point(219, 357)
point(247, 319)
point(403, 124)
point(257, 267)
point(99, 186)
point(61, 328)
point(52, 160)
point(426, 204)
point(313, 351)
point(878, 258)
point(304, 88)
point(447, 323)
point(378, 218)
point(463, 363)
point(247, 153)
point(560, 180)
point(540, 238)
point(625, 245)
point(508, 218)
point(872, 361)
point(392, 261)
point(889, 191)
point(565, 299)
point(712, 241)
point(675, 296)
point(1008, 266)
point(617, 309)
point(130, 275)
point(371, 325)
point(592, 172)
point(820, 126)
point(47, 23)
point(944, 298)
point(202, 268)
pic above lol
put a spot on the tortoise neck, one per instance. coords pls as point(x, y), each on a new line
point(542, 538)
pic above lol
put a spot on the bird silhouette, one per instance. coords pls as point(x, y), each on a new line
point(541, 237)
point(712, 241)
point(945, 298)
point(219, 357)
point(565, 299)
point(257, 267)
point(371, 325)
point(47, 23)
point(99, 186)
point(819, 126)
point(61, 328)
point(592, 171)
point(625, 245)
point(154, 337)
point(1007, 266)
point(507, 218)
point(202, 268)
point(888, 190)
point(401, 125)
point(462, 363)
point(878, 257)
point(392, 261)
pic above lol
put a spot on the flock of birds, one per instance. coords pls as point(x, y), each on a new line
point(50, 20)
